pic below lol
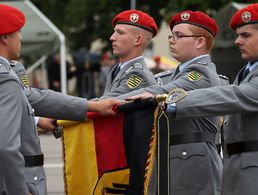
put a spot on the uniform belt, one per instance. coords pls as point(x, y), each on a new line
point(240, 147)
point(34, 160)
point(192, 138)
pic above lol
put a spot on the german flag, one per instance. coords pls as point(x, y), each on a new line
point(110, 155)
point(94, 156)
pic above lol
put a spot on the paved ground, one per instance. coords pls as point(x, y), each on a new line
point(52, 149)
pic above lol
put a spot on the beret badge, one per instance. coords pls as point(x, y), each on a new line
point(246, 16)
point(134, 17)
point(185, 16)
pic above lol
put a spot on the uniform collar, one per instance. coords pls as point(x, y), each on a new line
point(127, 62)
point(4, 59)
point(251, 66)
point(185, 64)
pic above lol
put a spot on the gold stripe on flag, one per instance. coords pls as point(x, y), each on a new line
point(79, 157)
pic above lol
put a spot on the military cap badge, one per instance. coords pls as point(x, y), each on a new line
point(246, 16)
point(185, 16)
point(134, 17)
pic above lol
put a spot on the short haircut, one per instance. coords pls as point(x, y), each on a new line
point(203, 33)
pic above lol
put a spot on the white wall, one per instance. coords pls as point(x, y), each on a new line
point(160, 42)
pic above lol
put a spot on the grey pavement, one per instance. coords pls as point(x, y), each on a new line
point(52, 149)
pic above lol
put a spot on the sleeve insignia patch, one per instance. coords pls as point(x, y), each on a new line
point(175, 95)
point(25, 80)
point(134, 81)
point(194, 76)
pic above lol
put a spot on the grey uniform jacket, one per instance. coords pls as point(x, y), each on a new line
point(14, 116)
point(240, 102)
point(164, 77)
point(132, 76)
point(196, 168)
point(49, 104)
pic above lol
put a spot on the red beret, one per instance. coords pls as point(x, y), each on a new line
point(196, 18)
point(247, 15)
point(136, 18)
point(11, 19)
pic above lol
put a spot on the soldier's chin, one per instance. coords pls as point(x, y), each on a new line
point(15, 57)
point(245, 57)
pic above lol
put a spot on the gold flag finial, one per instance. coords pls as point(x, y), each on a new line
point(160, 97)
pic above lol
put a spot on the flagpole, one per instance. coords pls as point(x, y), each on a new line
point(133, 4)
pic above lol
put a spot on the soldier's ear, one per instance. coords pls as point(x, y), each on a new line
point(138, 40)
point(4, 39)
point(201, 42)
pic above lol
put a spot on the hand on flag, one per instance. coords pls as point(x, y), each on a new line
point(103, 107)
point(139, 97)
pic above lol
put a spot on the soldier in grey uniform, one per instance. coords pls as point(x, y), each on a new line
point(195, 166)
point(46, 103)
point(13, 117)
point(133, 30)
point(34, 159)
point(164, 77)
point(240, 102)
point(14, 113)
point(22, 159)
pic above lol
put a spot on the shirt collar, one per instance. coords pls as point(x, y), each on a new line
point(251, 66)
point(4, 59)
point(185, 64)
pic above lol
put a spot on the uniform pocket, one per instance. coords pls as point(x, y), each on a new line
point(31, 127)
point(187, 167)
point(36, 184)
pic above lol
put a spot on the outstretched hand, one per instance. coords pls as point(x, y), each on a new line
point(139, 97)
point(103, 107)
point(46, 125)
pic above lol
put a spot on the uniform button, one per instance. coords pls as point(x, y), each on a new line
point(35, 178)
point(184, 153)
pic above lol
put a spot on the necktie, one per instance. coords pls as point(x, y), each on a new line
point(243, 74)
point(115, 71)
point(177, 70)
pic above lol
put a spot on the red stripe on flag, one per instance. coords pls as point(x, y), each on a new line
point(109, 143)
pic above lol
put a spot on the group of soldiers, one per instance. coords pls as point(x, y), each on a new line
point(195, 109)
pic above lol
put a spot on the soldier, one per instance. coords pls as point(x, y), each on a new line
point(195, 166)
point(19, 145)
point(52, 104)
point(13, 112)
point(240, 102)
point(133, 30)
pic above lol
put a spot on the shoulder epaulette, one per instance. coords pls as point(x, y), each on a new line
point(138, 66)
point(202, 63)
point(135, 66)
point(164, 73)
point(223, 77)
